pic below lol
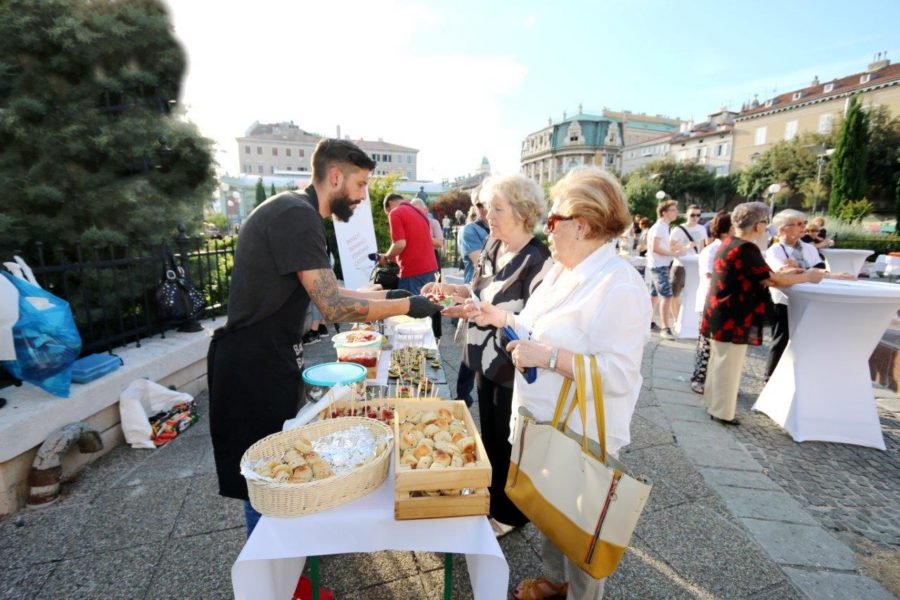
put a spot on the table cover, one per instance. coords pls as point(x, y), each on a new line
point(821, 389)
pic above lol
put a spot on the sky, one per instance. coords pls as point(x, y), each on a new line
point(464, 79)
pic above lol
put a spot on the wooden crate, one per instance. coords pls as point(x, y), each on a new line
point(407, 505)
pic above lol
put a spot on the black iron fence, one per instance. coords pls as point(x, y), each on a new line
point(112, 289)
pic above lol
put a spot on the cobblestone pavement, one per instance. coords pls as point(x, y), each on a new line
point(851, 490)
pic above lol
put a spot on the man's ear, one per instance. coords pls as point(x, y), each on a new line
point(335, 176)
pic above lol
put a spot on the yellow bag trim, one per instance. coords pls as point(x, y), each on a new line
point(560, 530)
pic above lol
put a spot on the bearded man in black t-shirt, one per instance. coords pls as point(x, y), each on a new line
point(281, 263)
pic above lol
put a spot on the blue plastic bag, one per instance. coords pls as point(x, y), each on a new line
point(46, 339)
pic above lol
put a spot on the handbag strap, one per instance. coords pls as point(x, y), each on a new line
point(599, 409)
point(580, 399)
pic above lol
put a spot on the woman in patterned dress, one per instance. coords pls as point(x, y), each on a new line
point(736, 307)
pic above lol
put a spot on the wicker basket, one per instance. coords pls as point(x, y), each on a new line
point(277, 499)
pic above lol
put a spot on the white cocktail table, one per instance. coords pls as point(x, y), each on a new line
point(845, 261)
point(821, 389)
point(272, 559)
point(688, 324)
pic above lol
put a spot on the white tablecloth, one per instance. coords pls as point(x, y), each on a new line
point(272, 559)
point(845, 261)
point(821, 389)
point(688, 324)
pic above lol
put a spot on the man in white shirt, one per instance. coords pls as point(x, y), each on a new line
point(690, 234)
point(659, 259)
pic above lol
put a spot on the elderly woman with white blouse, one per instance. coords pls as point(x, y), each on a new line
point(591, 302)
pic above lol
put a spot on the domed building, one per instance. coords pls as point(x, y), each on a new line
point(586, 139)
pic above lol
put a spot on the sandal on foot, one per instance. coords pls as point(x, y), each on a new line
point(500, 529)
point(539, 588)
point(697, 387)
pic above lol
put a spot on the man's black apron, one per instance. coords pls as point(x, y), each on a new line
point(254, 386)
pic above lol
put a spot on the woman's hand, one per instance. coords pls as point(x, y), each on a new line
point(429, 288)
point(485, 314)
point(815, 275)
point(457, 311)
point(526, 353)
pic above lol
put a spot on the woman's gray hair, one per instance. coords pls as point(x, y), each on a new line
point(786, 216)
point(525, 196)
point(746, 215)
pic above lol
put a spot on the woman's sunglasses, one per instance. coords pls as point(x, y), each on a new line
point(553, 219)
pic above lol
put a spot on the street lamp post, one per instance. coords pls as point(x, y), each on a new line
point(660, 195)
point(773, 189)
point(820, 162)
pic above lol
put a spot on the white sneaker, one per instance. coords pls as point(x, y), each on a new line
point(667, 334)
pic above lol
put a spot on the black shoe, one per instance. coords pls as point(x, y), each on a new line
point(733, 422)
point(323, 331)
point(337, 327)
point(310, 337)
point(654, 326)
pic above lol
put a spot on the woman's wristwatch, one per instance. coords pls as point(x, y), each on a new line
point(554, 354)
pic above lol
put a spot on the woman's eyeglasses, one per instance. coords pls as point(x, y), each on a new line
point(553, 219)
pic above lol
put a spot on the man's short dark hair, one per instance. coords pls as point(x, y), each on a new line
point(343, 153)
point(391, 198)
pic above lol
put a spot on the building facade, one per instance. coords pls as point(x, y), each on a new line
point(586, 139)
point(815, 108)
point(637, 155)
point(710, 143)
point(284, 148)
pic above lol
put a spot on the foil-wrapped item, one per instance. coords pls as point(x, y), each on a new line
point(349, 448)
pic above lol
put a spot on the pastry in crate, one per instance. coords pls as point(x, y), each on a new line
point(435, 440)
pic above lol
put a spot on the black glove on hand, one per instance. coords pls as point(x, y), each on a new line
point(396, 294)
point(420, 307)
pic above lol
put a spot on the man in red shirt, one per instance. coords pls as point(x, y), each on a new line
point(411, 244)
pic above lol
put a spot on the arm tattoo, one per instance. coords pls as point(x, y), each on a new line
point(323, 290)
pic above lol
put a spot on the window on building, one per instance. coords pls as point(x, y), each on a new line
point(259, 149)
point(301, 153)
point(246, 149)
point(829, 87)
point(722, 150)
point(287, 151)
point(825, 122)
point(272, 170)
point(259, 168)
point(409, 159)
point(376, 157)
point(274, 151)
point(248, 168)
point(866, 78)
point(409, 175)
point(288, 167)
point(797, 96)
point(790, 130)
point(760, 136)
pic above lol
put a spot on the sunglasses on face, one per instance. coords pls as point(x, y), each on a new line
point(553, 219)
point(692, 215)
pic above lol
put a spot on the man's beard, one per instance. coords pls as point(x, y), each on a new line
point(342, 206)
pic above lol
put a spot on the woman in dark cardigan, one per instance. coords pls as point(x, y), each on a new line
point(510, 267)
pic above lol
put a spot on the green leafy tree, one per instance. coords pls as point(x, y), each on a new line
point(686, 181)
point(447, 204)
point(260, 192)
point(92, 147)
point(641, 194)
point(850, 158)
point(379, 187)
point(272, 191)
point(725, 188)
point(791, 164)
point(883, 167)
point(854, 211)
point(815, 194)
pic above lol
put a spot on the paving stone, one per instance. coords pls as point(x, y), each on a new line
point(461, 586)
point(655, 415)
point(685, 412)
point(673, 374)
point(127, 516)
point(803, 545)
point(740, 479)
point(721, 458)
point(764, 504)
point(694, 541)
point(669, 464)
point(124, 573)
point(710, 432)
point(661, 383)
point(24, 582)
point(342, 573)
point(784, 591)
point(642, 575)
point(645, 433)
point(666, 396)
point(40, 535)
point(201, 564)
point(205, 511)
point(837, 586)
